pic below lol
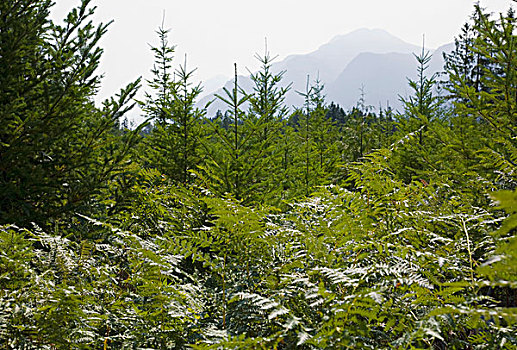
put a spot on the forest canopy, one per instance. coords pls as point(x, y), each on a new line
point(262, 226)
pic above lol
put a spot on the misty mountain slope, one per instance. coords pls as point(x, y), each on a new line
point(370, 57)
point(437, 62)
point(213, 84)
point(216, 104)
point(331, 58)
point(382, 76)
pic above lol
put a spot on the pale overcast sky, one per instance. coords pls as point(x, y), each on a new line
point(217, 33)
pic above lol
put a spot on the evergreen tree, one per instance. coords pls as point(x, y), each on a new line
point(336, 114)
point(360, 130)
point(269, 111)
point(173, 145)
point(267, 99)
point(305, 135)
point(386, 126)
point(420, 110)
point(465, 60)
point(232, 160)
point(317, 135)
point(57, 149)
point(492, 110)
point(188, 121)
point(289, 147)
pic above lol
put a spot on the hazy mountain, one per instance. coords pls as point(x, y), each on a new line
point(436, 64)
point(331, 58)
point(383, 77)
point(374, 59)
point(213, 84)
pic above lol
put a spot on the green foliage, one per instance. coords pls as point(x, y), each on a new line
point(267, 108)
point(390, 265)
point(324, 230)
point(317, 155)
point(494, 106)
point(57, 149)
point(173, 144)
point(464, 60)
point(233, 163)
point(414, 156)
point(243, 157)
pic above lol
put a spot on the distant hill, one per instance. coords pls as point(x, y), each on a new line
point(213, 84)
point(383, 77)
point(373, 58)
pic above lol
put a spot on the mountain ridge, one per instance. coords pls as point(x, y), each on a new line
point(331, 63)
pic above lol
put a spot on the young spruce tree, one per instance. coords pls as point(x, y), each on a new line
point(57, 149)
point(173, 144)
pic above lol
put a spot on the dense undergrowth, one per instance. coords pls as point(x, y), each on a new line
point(261, 227)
